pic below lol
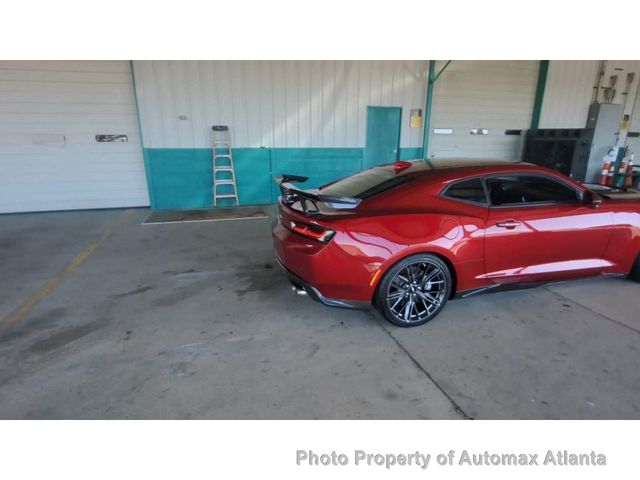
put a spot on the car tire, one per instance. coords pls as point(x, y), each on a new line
point(634, 274)
point(414, 291)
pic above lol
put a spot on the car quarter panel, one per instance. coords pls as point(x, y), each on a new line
point(379, 242)
point(624, 244)
point(347, 267)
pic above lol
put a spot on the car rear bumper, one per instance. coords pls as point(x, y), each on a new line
point(339, 269)
point(315, 294)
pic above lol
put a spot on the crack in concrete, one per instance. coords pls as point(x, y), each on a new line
point(457, 408)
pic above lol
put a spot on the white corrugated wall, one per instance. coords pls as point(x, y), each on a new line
point(50, 113)
point(323, 103)
point(273, 103)
point(568, 93)
point(492, 95)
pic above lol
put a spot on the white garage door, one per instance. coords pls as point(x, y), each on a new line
point(495, 96)
point(50, 114)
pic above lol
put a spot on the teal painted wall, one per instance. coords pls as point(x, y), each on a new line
point(410, 153)
point(180, 178)
point(321, 165)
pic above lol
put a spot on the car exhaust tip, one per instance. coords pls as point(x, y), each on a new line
point(298, 290)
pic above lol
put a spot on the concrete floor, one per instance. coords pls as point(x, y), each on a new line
point(194, 320)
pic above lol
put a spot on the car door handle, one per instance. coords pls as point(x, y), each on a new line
point(509, 224)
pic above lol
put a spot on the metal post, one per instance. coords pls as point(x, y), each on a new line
point(427, 112)
point(542, 83)
point(431, 79)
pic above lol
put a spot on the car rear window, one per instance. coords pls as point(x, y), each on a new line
point(468, 190)
point(365, 184)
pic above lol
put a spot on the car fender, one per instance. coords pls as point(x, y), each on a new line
point(459, 241)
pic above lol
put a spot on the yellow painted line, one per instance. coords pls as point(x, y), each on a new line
point(43, 292)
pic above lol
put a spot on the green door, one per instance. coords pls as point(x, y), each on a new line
point(383, 136)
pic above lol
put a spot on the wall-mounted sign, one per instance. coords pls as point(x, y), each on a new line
point(479, 131)
point(443, 131)
point(416, 118)
point(625, 122)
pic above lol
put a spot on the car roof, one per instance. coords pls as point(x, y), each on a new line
point(450, 163)
point(443, 170)
point(454, 167)
point(436, 174)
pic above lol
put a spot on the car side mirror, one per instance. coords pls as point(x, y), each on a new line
point(591, 199)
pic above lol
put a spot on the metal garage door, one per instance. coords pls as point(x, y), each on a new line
point(50, 114)
point(490, 96)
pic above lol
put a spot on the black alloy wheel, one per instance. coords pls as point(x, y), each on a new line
point(414, 290)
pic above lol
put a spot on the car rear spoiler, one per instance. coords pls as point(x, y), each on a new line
point(309, 200)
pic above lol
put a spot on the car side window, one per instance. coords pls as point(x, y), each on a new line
point(526, 189)
point(469, 190)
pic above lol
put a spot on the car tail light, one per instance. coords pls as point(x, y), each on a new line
point(312, 231)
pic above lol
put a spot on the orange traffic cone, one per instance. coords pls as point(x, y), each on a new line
point(628, 179)
point(605, 173)
point(618, 177)
point(610, 175)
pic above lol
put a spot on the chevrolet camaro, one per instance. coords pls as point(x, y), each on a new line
point(408, 236)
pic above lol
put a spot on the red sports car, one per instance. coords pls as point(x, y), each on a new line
point(407, 237)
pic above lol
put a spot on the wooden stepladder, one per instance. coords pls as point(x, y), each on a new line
point(224, 177)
